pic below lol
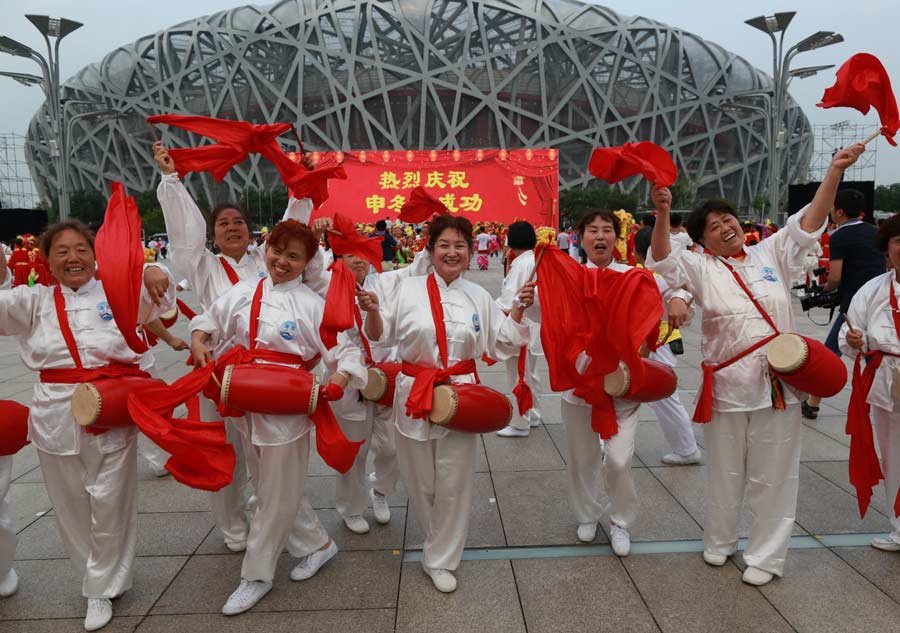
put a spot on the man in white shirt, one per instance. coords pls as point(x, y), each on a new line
point(562, 240)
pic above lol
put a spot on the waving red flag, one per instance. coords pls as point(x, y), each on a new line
point(420, 207)
point(120, 262)
point(862, 82)
point(346, 240)
point(613, 164)
point(339, 303)
point(313, 184)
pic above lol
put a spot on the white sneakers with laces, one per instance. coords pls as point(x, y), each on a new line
point(380, 506)
point(587, 532)
point(248, 593)
point(310, 564)
point(443, 579)
point(674, 459)
point(356, 524)
point(99, 613)
point(620, 540)
point(9, 584)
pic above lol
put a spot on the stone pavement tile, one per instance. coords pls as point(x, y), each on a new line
point(823, 508)
point(28, 503)
point(24, 461)
point(167, 495)
point(818, 447)
point(820, 593)
point(40, 541)
point(558, 435)
point(172, 533)
point(834, 406)
point(838, 474)
point(831, 425)
point(689, 378)
point(661, 516)
point(593, 593)
point(49, 589)
point(535, 452)
point(485, 528)
point(203, 585)
point(677, 589)
point(484, 601)
point(359, 621)
point(551, 412)
point(119, 624)
point(535, 509)
point(33, 476)
point(320, 493)
point(649, 442)
point(880, 568)
point(379, 537)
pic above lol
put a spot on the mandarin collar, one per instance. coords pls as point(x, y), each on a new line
point(83, 290)
point(443, 284)
point(285, 286)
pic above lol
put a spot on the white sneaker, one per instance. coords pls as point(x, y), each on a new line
point(159, 471)
point(884, 543)
point(620, 540)
point(674, 459)
point(534, 417)
point(587, 532)
point(511, 431)
point(356, 524)
point(716, 560)
point(443, 579)
point(99, 613)
point(380, 507)
point(9, 584)
point(236, 546)
point(756, 576)
point(248, 593)
point(310, 564)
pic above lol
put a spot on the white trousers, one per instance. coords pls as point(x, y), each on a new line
point(384, 447)
point(153, 454)
point(283, 517)
point(533, 380)
point(7, 532)
point(753, 455)
point(94, 497)
point(439, 476)
point(673, 419)
point(351, 488)
point(228, 504)
point(597, 485)
point(887, 428)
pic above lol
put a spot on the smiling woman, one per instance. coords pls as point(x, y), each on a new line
point(69, 249)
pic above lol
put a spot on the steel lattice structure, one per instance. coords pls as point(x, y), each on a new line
point(422, 74)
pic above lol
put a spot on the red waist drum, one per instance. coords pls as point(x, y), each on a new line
point(13, 427)
point(806, 365)
point(470, 408)
point(103, 404)
point(659, 382)
point(272, 389)
point(382, 380)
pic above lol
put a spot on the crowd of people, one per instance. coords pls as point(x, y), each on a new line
point(419, 325)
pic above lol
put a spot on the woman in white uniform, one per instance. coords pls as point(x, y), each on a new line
point(744, 293)
point(438, 464)
point(68, 334)
point(288, 324)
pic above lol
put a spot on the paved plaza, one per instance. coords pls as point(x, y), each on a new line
point(523, 570)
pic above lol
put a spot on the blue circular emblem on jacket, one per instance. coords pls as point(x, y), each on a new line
point(476, 322)
point(288, 330)
point(105, 311)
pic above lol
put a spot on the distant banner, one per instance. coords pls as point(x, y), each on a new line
point(483, 185)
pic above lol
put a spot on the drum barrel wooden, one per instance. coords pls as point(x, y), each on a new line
point(470, 408)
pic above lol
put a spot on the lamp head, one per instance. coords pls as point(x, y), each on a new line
point(11, 47)
point(53, 27)
point(772, 23)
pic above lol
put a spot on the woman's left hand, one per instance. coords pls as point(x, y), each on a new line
point(678, 312)
point(156, 281)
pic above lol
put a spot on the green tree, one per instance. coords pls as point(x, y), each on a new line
point(684, 193)
point(887, 197)
point(573, 202)
point(152, 220)
point(85, 205)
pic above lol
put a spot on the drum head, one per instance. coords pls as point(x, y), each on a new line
point(787, 353)
point(443, 404)
point(376, 385)
point(86, 404)
point(171, 315)
point(314, 396)
point(617, 383)
point(226, 383)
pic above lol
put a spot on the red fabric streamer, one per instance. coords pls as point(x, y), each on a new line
point(331, 443)
point(522, 392)
point(201, 457)
point(13, 428)
point(420, 207)
point(863, 83)
point(339, 303)
point(185, 309)
point(346, 240)
point(120, 261)
point(313, 184)
point(613, 164)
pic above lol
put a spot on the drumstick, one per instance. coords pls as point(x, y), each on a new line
point(299, 142)
point(153, 132)
point(852, 330)
point(536, 262)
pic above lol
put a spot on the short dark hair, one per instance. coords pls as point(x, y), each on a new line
point(890, 228)
point(288, 230)
point(642, 241)
point(449, 222)
point(66, 225)
point(851, 201)
point(224, 206)
point(649, 220)
point(381, 225)
point(521, 236)
point(592, 214)
point(675, 220)
point(696, 220)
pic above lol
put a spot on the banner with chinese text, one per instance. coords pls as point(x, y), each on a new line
point(483, 185)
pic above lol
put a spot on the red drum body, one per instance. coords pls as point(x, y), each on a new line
point(13, 427)
point(381, 383)
point(272, 389)
point(659, 382)
point(103, 404)
point(470, 408)
point(168, 318)
point(806, 365)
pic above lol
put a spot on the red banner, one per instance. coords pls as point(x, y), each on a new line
point(483, 185)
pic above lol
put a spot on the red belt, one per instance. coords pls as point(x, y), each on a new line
point(239, 355)
point(74, 375)
point(418, 405)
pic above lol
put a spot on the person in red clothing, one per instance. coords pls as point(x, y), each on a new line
point(19, 263)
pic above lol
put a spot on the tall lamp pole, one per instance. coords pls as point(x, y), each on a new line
point(56, 28)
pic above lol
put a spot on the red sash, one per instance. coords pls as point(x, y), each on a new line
point(522, 392)
point(229, 271)
point(418, 404)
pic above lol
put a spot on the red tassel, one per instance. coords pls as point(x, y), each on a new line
point(703, 411)
point(334, 447)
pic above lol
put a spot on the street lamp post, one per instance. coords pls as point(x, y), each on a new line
point(56, 28)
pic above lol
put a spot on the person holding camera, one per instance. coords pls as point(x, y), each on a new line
point(854, 261)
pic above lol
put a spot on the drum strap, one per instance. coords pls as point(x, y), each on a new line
point(357, 316)
point(229, 271)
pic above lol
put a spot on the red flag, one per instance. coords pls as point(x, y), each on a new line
point(420, 207)
point(120, 262)
point(313, 184)
point(862, 82)
point(339, 302)
point(613, 164)
point(346, 240)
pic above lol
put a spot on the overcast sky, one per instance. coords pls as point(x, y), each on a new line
point(867, 26)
